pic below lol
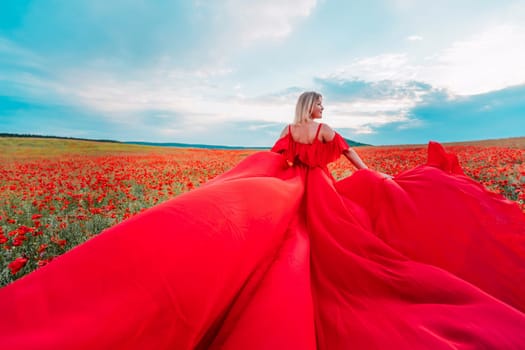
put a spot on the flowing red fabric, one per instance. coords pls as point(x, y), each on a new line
point(276, 254)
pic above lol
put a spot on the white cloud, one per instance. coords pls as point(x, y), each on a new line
point(366, 113)
point(403, 4)
point(389, 66)
point(266, 19)
point(363, 130)
point(414, 38)
point(410, 124)
point(373, 92)
point(491, 60)
point(181, 99)
point(260, 126)
point(130, 101)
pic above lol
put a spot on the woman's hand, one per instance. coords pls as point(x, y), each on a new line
point(386, 176)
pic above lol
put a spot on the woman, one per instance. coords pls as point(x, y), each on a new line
point(305, 130)
point(277, 254)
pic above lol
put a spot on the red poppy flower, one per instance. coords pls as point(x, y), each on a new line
point(17, 264)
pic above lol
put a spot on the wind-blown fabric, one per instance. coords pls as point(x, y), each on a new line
point(276, 254)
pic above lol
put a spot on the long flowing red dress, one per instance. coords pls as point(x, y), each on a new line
point(276, 254)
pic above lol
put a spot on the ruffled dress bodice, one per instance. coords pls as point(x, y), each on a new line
point(316, 154)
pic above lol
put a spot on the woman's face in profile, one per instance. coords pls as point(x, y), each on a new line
point(317, 109)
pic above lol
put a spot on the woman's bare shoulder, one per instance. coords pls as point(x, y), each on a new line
point(327, 134)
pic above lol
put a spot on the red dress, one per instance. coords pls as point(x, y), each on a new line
point(275, 254)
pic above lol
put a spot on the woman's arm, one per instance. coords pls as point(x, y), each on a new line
point(358, 162)
point(328, 134)
point(354, 158)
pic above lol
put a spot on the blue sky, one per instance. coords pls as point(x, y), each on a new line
point(229, 72)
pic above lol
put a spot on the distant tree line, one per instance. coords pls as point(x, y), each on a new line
point(53, 137)
point(350, 142)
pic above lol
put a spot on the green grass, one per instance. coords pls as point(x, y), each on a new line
point(25, 147)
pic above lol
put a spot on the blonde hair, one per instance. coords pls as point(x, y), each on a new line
point(303, 108)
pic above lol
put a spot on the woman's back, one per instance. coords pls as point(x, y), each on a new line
point(306, 133)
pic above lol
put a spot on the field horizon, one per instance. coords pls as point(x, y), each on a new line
point(512, 142)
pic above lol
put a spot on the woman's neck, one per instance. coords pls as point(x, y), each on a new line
point(304, 122)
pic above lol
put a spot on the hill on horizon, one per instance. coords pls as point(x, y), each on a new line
point(160, 144)
point(512, 142)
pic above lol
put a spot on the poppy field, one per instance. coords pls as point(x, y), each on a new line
point(56, 194)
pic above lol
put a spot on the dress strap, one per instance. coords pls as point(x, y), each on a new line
point(290, 129)
point(317, 133)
